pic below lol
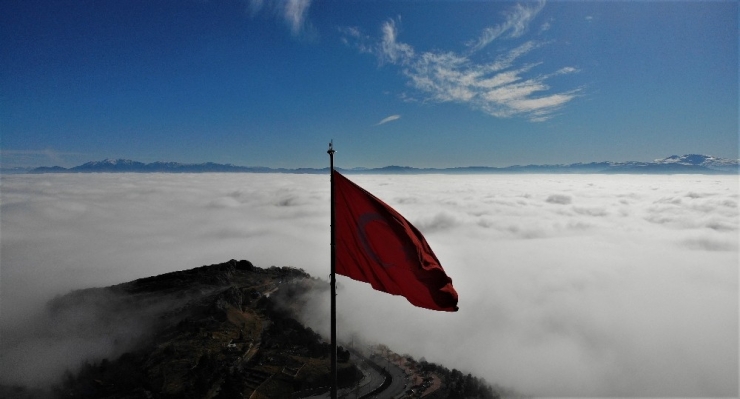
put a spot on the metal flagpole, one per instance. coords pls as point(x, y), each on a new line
point(333, 281)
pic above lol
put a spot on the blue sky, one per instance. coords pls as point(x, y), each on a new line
point(424, 84)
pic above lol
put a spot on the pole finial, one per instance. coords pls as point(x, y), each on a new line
point(331, 147)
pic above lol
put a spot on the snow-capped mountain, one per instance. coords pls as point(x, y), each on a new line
point(706, 161)
point(118, 165)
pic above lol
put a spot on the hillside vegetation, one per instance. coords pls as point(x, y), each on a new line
point(227, 330)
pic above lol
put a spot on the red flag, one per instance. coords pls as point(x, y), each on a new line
point(376, 245)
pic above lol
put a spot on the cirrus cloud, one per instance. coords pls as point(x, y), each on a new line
point(388, 119)
point(505, 87)
point(293, 12)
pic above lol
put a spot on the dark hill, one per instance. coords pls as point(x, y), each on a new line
point(226, 330)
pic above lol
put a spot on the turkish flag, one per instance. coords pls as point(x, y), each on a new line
point(376, 245)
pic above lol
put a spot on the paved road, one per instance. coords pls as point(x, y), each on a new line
point(371, 380)
point(398, 376)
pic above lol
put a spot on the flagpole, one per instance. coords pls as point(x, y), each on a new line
point(333, 281)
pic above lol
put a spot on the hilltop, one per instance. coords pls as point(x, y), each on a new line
point(227, 330)
point(690, 163)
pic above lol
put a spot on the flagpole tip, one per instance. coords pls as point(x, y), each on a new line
point(331, 148)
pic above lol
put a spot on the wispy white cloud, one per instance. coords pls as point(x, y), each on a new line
point(389, 119)
point(353, 36)
point(293, 12)
point(390, 49)
point(505, 87)
point(516, 24)
point(545, 27)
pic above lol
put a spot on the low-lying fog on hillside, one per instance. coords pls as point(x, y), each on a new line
point(569, 285)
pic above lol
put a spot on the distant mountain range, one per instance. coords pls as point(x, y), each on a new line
point(674, 164)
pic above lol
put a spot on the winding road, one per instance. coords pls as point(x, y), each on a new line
point(372, 380)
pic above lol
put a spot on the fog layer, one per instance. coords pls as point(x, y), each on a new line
point(569, 285)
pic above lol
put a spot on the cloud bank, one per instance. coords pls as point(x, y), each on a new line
point(505, 87)
point(577, 285)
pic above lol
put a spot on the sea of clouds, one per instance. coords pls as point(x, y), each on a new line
point(569, 285)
